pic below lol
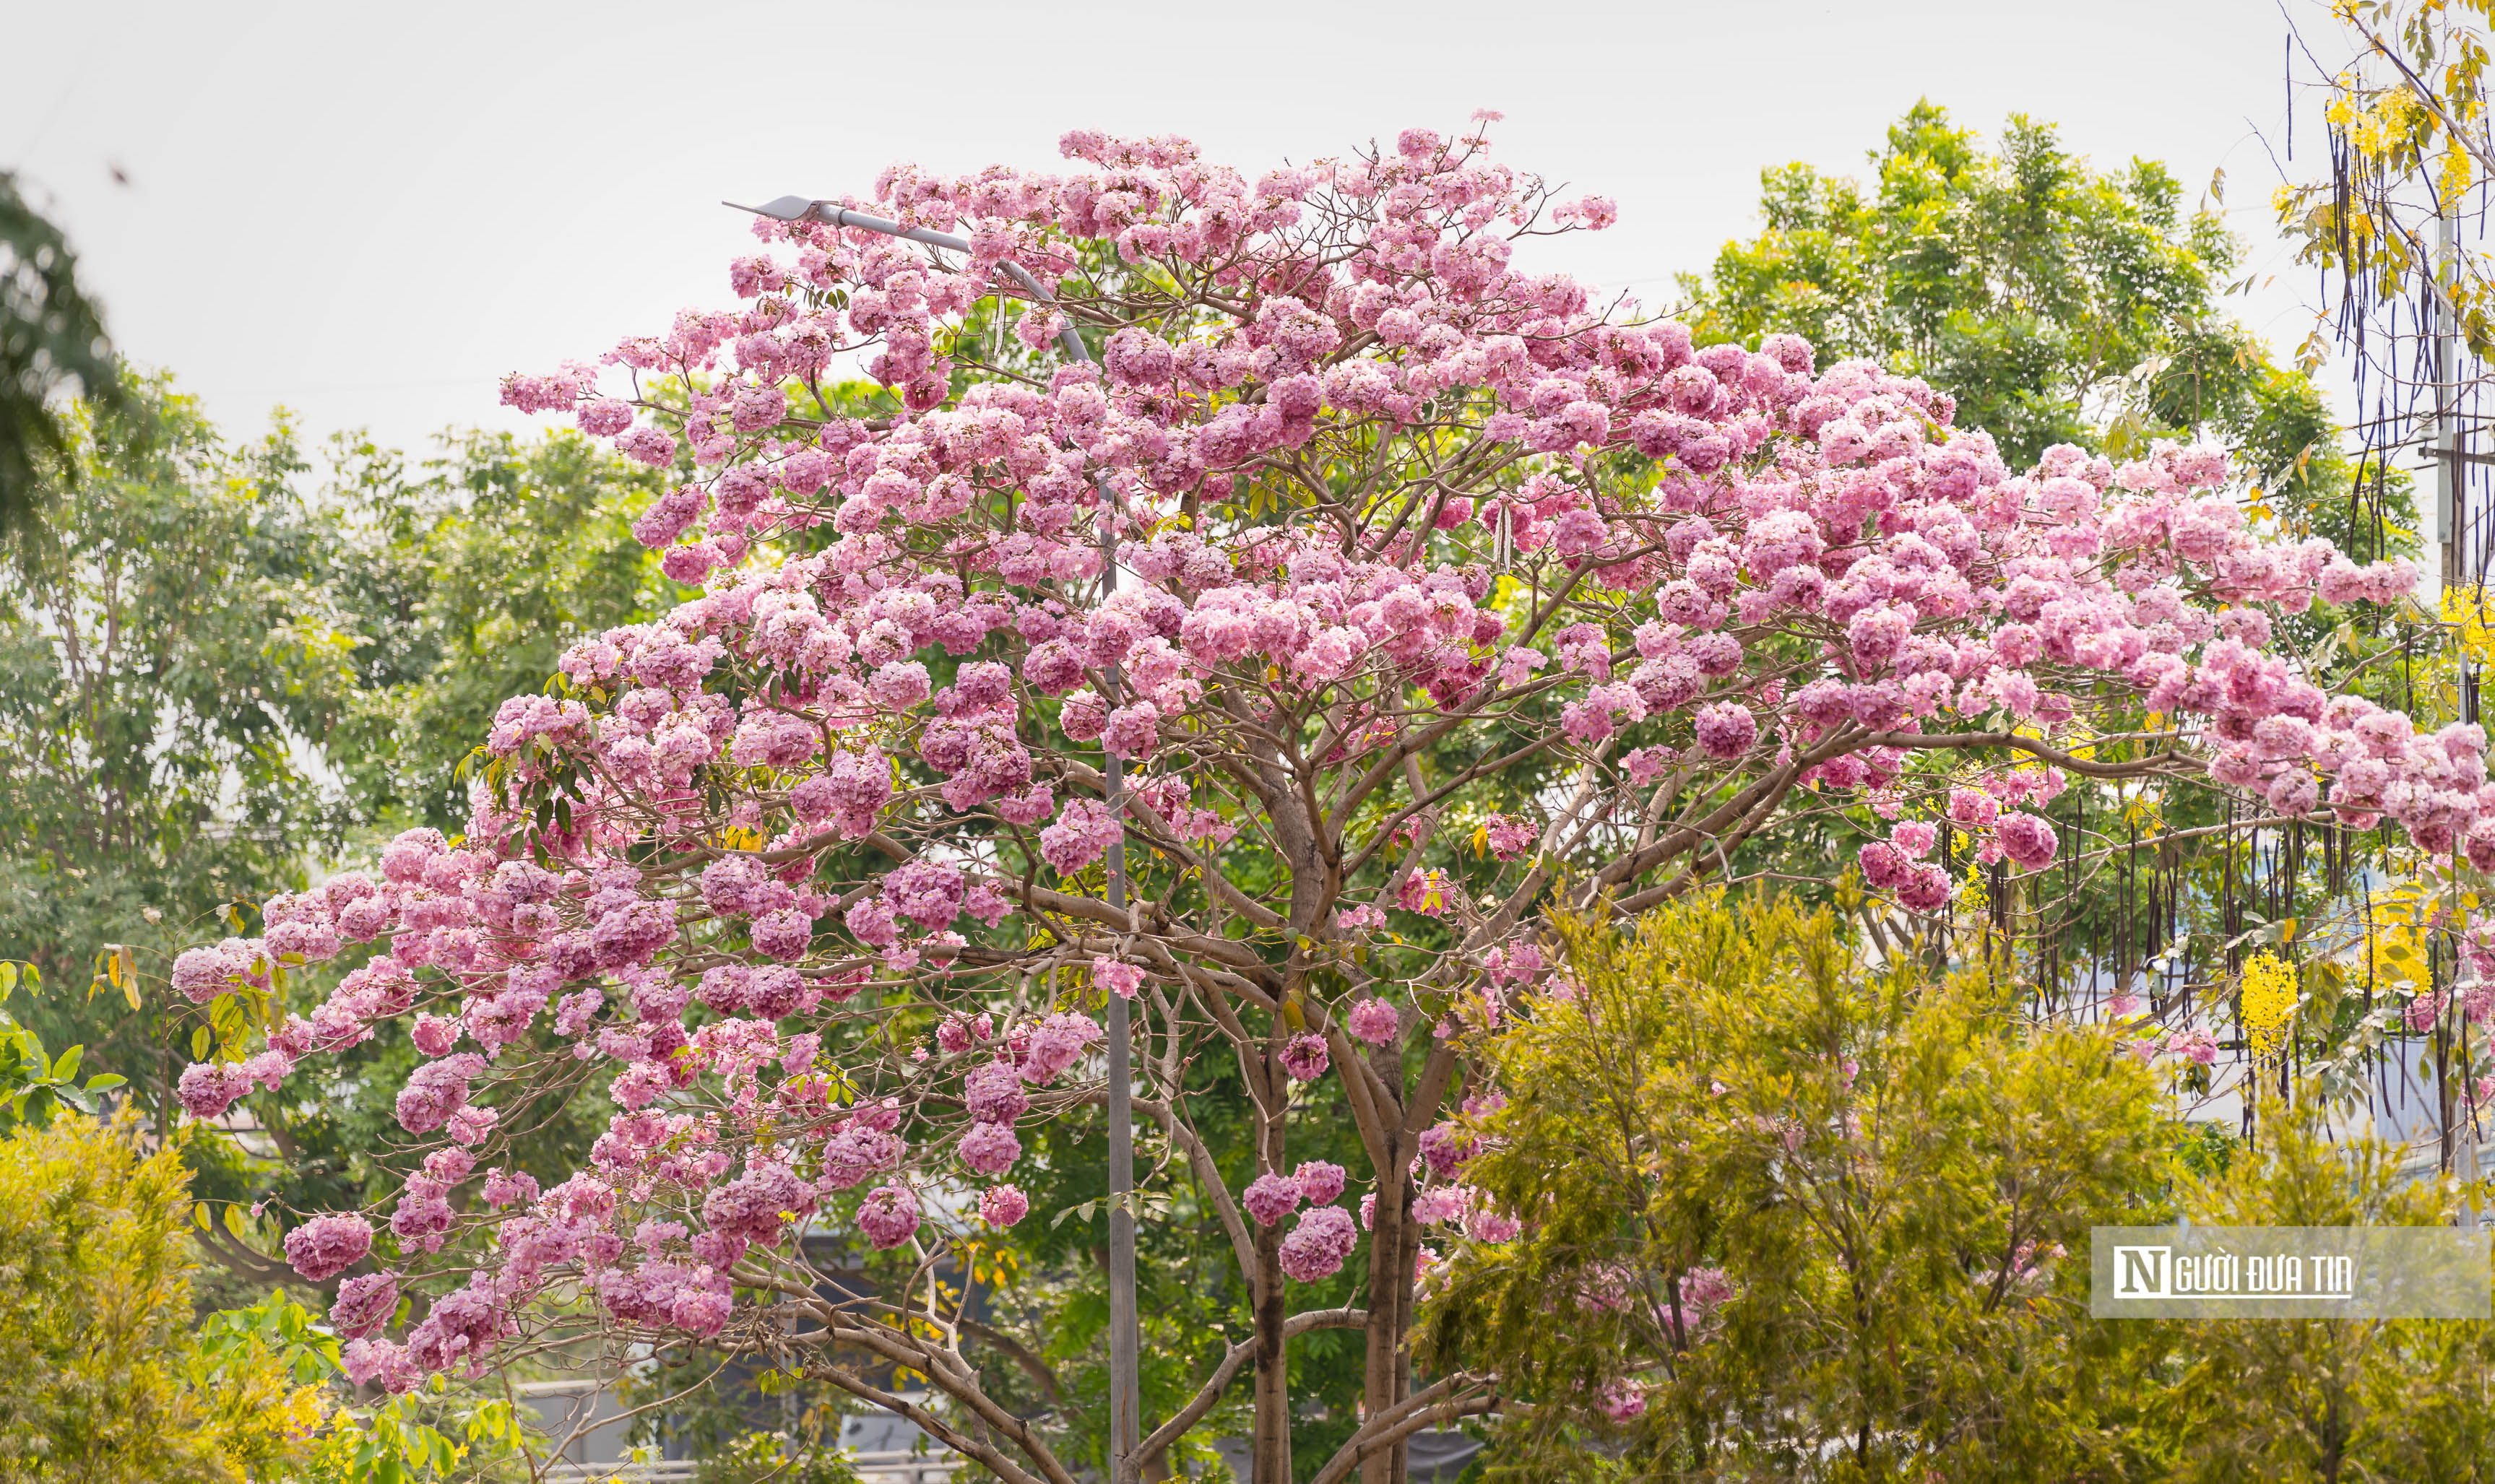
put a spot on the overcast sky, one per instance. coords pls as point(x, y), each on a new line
point(369, 214)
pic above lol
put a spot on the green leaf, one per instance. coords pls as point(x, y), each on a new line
point(104, 1081)
point(66, 1064)
point(200, 1044)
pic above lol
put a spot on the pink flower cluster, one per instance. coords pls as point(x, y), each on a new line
point(1316, 1247)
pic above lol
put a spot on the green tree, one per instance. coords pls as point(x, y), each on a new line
point(2320, 1399)
point(107, 1379)
point(466, 578)
point(1804, 1216)
point(2056, 303)
point(168, 667)
point(51, 340)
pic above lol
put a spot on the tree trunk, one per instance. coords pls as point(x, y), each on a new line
point(1272, 1459)
point(1390, 1269)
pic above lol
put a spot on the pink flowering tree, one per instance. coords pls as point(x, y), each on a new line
point(1440, 595)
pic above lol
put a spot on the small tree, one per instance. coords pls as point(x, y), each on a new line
point(1366, 589)
point(2319, 1399)
point(105, 1378)
point(1774, 1208)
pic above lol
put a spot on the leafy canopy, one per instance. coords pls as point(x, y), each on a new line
point(2057, 303)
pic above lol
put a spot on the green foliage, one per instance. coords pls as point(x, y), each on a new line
point(107, 1379)
point(775, 1458)
point(51, 337)
point(1896, 1179)
point(466, 581)
point(31, 1082)
point(166, 669)
point(1884, 1169)
point(2319, 1399)
point(213, 685)
point(2054, 302)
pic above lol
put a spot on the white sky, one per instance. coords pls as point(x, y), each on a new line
point(369, 214)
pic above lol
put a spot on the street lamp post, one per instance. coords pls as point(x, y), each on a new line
point(1125, 1393)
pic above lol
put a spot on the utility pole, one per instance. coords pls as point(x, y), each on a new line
point(2446, 564)
point(1125, 1392)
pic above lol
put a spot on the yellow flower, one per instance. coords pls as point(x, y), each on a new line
point(2468, 608)
point(1972, 896)
point(2268, 1003)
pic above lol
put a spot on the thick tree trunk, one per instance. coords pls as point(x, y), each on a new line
point(1390, 1270)
point(1271, 1459)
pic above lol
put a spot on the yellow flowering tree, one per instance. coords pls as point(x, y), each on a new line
point(105, 1375)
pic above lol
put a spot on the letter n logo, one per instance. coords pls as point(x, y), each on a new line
point(2140, 1272)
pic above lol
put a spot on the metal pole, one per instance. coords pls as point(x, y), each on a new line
point(2446, 568)
point(1125, 1395)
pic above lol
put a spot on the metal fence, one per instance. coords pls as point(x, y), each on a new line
point(877, 1468)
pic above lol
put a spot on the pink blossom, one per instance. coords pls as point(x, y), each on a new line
point(1270, 1197)
point(369, 1361)
point(1002, 1205)
point(435, 1091)
point(993, 1093)
point(206, 1089)
point(1132, 731)
point(364, 1305)
point(1373, 1022)
point(1445, 1148)
point(1082, 835)
point(1318, 1182)
point(1509, 837)
point(326, 1246)
point(1884, 865)
point(1483, 1225)
point(1056, 1043)
point(1122, 980)
point(1317, 1246)
point(1924, 889)
point(460, 1331)
point(433, 1035)
point(468, 1125)
point(510, 1188)
point(201, 974)
point(990, 1148)
point(1972, 808)
point(1726, 730)
point(1305, 1057)
point(2031, 842)
point(900, 686)
point(890, 1216)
